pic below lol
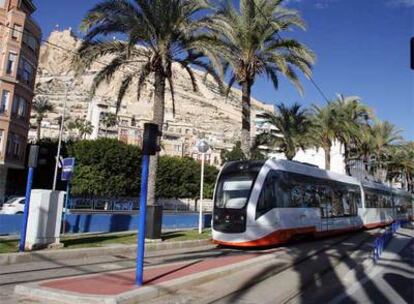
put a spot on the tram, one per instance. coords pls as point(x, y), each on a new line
point(263, 203)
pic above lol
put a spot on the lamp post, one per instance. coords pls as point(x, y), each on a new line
point(202, 147)
point(60, 138)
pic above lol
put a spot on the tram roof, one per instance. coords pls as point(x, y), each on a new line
point(305, 169)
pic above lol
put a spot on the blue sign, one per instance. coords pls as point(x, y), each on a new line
point(68, 165)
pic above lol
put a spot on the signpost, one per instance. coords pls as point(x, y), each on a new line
point(68, 166)
point(150, 146)
point(32, 164)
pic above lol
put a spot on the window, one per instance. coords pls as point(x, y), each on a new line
point(5, 96)
point(234, 191)
point(296, 196)
point(11, 63)
point(16, 32)
point(14, 146)
point(19, 107)
point(268, 199)
point(30, 41)
point(22, 110)
point(25, 72)
point(1, 141)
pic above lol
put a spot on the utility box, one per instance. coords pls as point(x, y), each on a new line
point(45, 217)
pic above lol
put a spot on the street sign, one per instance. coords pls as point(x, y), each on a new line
point(68, 165)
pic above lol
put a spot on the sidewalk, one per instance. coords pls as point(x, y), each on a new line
point(119, 286)
point(172, 278)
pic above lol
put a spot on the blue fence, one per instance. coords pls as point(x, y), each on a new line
point(382, 241)
point(79, 223)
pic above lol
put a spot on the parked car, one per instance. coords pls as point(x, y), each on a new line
point(13, 206)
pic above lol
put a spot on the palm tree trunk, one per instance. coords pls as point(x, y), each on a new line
point(39, 126)
point(158, 118)
point(327, 150)
point(246, 128)
point(346, 159)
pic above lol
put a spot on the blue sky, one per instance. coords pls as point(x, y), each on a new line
point(362, 49)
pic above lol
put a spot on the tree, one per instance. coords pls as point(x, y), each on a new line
point(103, 168)
point(83, 126)
point(235, 154)
point(290, 130)
point(158, 33)
point(249, 43)
point(325, 129)
point(401, 164)
point(41, 106)
point(108, 120)
point(354, 116)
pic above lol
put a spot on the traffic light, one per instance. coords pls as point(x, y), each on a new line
point(151, 141)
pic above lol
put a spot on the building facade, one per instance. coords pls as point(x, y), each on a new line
point(19, 50)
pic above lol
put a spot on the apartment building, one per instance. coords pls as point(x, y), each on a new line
point(19, 51)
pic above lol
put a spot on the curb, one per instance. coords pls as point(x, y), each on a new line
point(35, 291)
point(68, 254)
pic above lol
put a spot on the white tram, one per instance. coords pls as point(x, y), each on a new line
point(262, 203)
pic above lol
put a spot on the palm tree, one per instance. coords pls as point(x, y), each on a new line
point(41, 106)
point(109, 120)
point(401, 164)
point(374, 144)
point(290, 130)
point(325, 122)
point(354, 116)
point(384, 135)
point(158, 33)
point(83, 126)
point(249, 43)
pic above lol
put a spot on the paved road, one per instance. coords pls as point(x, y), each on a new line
point(325, 277)
point(391, 281)
point(305, 272)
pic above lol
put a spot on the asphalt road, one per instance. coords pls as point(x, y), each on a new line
point(305, 272)
point(324, 277)
point(391, 281)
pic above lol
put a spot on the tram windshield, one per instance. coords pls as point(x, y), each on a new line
point(233, 191)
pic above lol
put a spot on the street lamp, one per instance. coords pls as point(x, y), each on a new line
point(202, 147)
point(60, 137)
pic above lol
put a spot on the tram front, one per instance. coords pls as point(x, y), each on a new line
point(232, 194)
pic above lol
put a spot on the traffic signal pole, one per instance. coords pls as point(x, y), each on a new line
point(32, 164)
point(142, 220)
point(150, 146)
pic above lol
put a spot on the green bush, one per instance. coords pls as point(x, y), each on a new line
point(108, 167)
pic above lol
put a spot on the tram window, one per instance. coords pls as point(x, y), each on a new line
point(267, 199)
point(326, 201)
point(296, 196)
point(337, 206)
point(234, 191)
point(309, 198)
point(347, 203)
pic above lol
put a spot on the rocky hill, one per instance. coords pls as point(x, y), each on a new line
point(206, 111)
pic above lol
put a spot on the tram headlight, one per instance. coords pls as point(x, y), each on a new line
point(242, 217)
point(216, 217)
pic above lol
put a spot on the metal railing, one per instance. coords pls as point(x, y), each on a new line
point(382, 241)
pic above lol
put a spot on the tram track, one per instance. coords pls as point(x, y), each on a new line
point(303, 265)
point(9, 277)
